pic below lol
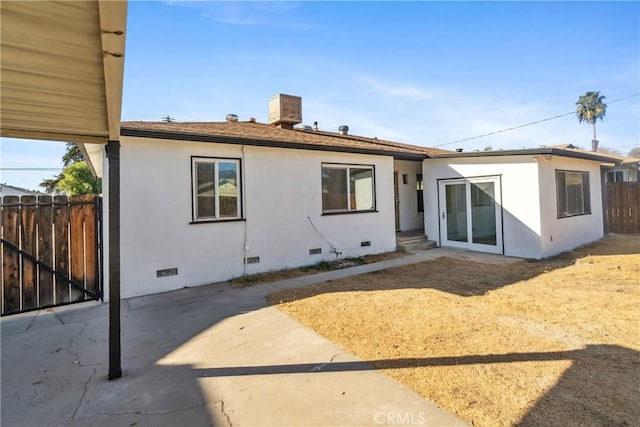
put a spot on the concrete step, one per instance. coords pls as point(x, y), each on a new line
point(416, 244)
point(410, 239)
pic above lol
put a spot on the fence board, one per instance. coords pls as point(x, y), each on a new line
point(28, 241)
point(622, 207)
point(91, 246)
point(61, 239)
point(77, 245)
point(47, 243)
point(10, 259)
point(45, 250)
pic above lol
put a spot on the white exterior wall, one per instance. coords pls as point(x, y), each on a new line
point(281, 188)
point(410, 219)
point(521, 222)
point(563, 234)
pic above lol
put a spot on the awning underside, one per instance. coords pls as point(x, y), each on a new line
point(62, 66)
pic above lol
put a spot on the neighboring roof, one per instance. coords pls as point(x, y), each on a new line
point(578, 154)
point(615, 158)
point(5, 187)
point(252, 133)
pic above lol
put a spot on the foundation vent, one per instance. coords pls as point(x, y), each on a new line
point(366, 243)
point(167, 272)
point(316, 251)
point(253, 260)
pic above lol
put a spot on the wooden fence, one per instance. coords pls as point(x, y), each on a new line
point(621, 202)
point(50, 251)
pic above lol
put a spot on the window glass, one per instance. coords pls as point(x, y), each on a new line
point(216, 189)
point(205, 201)
point(334, 189)
point(572, 192)
point(361, 188)
point(615, 176)
point(228, 189)
point(347, 188)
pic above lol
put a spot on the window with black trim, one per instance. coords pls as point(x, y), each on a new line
point(617, 176)
point(216, 189)
point(347, 188)
point(572, 193)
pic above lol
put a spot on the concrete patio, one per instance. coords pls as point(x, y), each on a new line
point(205, 356)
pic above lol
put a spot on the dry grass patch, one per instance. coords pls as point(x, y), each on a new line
point(292, 273)
point(551, 342)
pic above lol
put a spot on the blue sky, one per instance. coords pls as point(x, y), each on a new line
point(425, 73)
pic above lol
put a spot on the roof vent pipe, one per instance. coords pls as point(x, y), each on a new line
point(315, 126)
point(232, 118)
point(344, 130)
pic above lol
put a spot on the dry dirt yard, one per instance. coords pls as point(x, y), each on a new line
point(554, 342)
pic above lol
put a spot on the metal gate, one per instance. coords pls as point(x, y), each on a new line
point(51, 251)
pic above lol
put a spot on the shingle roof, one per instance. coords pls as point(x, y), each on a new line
point(253, 133)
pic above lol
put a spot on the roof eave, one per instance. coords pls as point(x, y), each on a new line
point(529, 152)
point(236, 140)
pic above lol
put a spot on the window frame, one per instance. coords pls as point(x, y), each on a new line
point(624, 174)
point(195, 160)
point(586, 194)
point(347, 167)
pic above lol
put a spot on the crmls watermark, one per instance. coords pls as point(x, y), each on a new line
point(400, 418)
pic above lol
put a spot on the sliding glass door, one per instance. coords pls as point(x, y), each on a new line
point(470, 214)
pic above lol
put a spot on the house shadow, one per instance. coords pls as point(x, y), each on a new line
point(67, 352)
point(600, 388)
point(156, 326)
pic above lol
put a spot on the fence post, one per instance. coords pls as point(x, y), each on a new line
point(115, 363)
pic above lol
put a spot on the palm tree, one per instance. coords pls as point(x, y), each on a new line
point(591, 107)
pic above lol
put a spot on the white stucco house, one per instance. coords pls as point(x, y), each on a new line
point(531, 203)
point(206, 202)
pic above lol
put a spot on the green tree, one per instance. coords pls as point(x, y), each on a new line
point(73, 179)
point(78, 179)
point(72, 155)
point(591, 107)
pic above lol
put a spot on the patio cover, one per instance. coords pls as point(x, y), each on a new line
point(61, 70)
point(61, 66)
